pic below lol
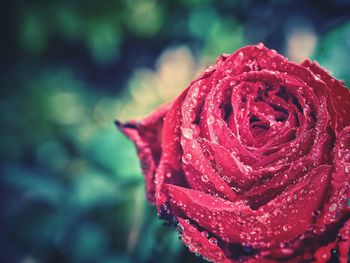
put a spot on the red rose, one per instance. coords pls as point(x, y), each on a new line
point(252, 160)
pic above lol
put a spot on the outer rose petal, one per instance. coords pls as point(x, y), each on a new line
point(235, 222)
point(339, 94)
point(147, 136)
point(335, 207)
point(199, 243)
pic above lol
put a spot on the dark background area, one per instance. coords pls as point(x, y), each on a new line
point(71, 187)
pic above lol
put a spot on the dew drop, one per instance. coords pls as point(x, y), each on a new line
point(285, 228)
point(228, 71)
point(237, 190)
point(205, 234)
point(188, 156)
point(260, 45)
point(339, 153)
point(241, 55)
point(210, 68)
point(346, 168)
point(210, 120)
point(168, 175)
point(332, 208)
point(219, 123)
point(179, 228)
point(187, 133)
point(213, 240)
point(247, 168)
point(226, 179)
point(317, 77)
point(204, 178)
point(186, 240)
point(273, 53)
point(277, 212)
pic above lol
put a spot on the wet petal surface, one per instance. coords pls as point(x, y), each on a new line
point(255, 154)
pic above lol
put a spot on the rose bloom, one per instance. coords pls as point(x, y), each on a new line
point(251, 161)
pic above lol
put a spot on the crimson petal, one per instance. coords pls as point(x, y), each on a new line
point(147, 136)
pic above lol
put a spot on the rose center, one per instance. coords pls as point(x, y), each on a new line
point(258, 127)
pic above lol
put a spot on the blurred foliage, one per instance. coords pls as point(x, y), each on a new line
point(333, 52)
point(71, 185)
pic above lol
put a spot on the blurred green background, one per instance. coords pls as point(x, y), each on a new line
point(71, 187)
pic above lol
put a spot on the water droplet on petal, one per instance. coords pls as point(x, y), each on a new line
point(188, 156)
point(247, 168)
point(260, 45)
point(210, 120)
point(186, 240)
point(339, 153)
point(277, 212)
point(187, 133)
point(272, 53)
point(213, 240)
point(204, 178)
point(317, 77)
point(237, 190)
point(228, 71)
point(332, 208)
point(179, 228)
point(205, 234)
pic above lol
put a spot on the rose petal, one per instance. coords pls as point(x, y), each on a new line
point(335, 207)
point(199, 243)
point(339, 94)
point(146, 134)
point(236, 222)
point(205, 167)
